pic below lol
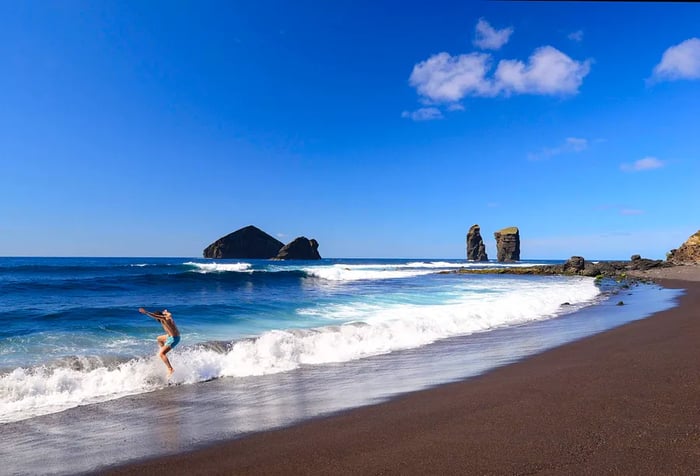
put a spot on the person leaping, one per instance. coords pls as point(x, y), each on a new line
point(168, 341)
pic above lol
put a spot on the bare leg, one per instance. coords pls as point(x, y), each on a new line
point(161, 340)
point(164, 350)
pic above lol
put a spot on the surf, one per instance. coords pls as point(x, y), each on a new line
point(354, 328)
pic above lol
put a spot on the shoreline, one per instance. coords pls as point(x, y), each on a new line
point(622, 401)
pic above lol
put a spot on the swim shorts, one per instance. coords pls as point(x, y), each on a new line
point(172, 341)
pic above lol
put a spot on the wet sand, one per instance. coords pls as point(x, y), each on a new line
point(626, 401)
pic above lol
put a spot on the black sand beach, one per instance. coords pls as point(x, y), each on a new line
point(621, 402)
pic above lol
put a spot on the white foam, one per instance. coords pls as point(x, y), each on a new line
point(361, 329)
point(340, 272)
point(219, 267)
point(358, 272)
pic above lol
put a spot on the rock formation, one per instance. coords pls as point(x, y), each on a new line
point(476, 250)
point(576, 265)
point(508, 244)
point(247, 243)
point(688, 253)
point(300, 248)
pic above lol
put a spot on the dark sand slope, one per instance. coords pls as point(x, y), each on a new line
point(626, 401)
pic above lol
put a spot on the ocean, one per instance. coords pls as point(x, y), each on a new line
point(264, 344)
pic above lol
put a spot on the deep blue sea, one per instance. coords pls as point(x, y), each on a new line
point(264, 343)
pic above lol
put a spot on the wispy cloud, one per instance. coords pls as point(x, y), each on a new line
point(423, 114)
point(631, 211)
point(488, 38)
point(622, 210)
point(681, 61)
point(576, 36)
point(570, 145)
point(647, 163)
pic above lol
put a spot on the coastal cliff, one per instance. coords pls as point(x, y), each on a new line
point(688, 253)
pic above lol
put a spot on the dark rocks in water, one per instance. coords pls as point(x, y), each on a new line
point(476, 250)
point(247, 243)
point(620, 303)
point(300, 248)
point(688, 253)
point(574, 264)
point(577, 266)
point(508, 244)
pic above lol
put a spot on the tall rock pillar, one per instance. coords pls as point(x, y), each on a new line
point(476, 250)
point(508, 244)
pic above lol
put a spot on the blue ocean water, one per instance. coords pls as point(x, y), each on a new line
point(70, 333)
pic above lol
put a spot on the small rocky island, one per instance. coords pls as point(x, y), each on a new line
point(251, 242)
point(300, 248)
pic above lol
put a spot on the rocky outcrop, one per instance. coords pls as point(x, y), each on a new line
point(247, 243)
point(576, 265)
point(300, 248)
point(688, 253)
point(508, 244)
point(476, 250)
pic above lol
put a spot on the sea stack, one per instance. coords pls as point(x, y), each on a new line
point(476, 250)
point(508, 244)
point(300, 248)
point(246, 243)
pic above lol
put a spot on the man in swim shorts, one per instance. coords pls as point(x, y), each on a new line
point(168, 341)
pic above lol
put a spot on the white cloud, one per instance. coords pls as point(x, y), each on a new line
point(647, 163)
point(571, 144)
point(548, 71)
point(488, 38)
point(576, 36)
point(446, 78)
point(423, 114)
point(681, 61)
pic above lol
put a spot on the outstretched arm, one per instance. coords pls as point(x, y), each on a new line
point(155, 316)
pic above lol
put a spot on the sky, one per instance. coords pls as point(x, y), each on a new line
point(383, 129)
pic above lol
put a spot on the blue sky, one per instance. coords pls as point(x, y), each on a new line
point(382, 129)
